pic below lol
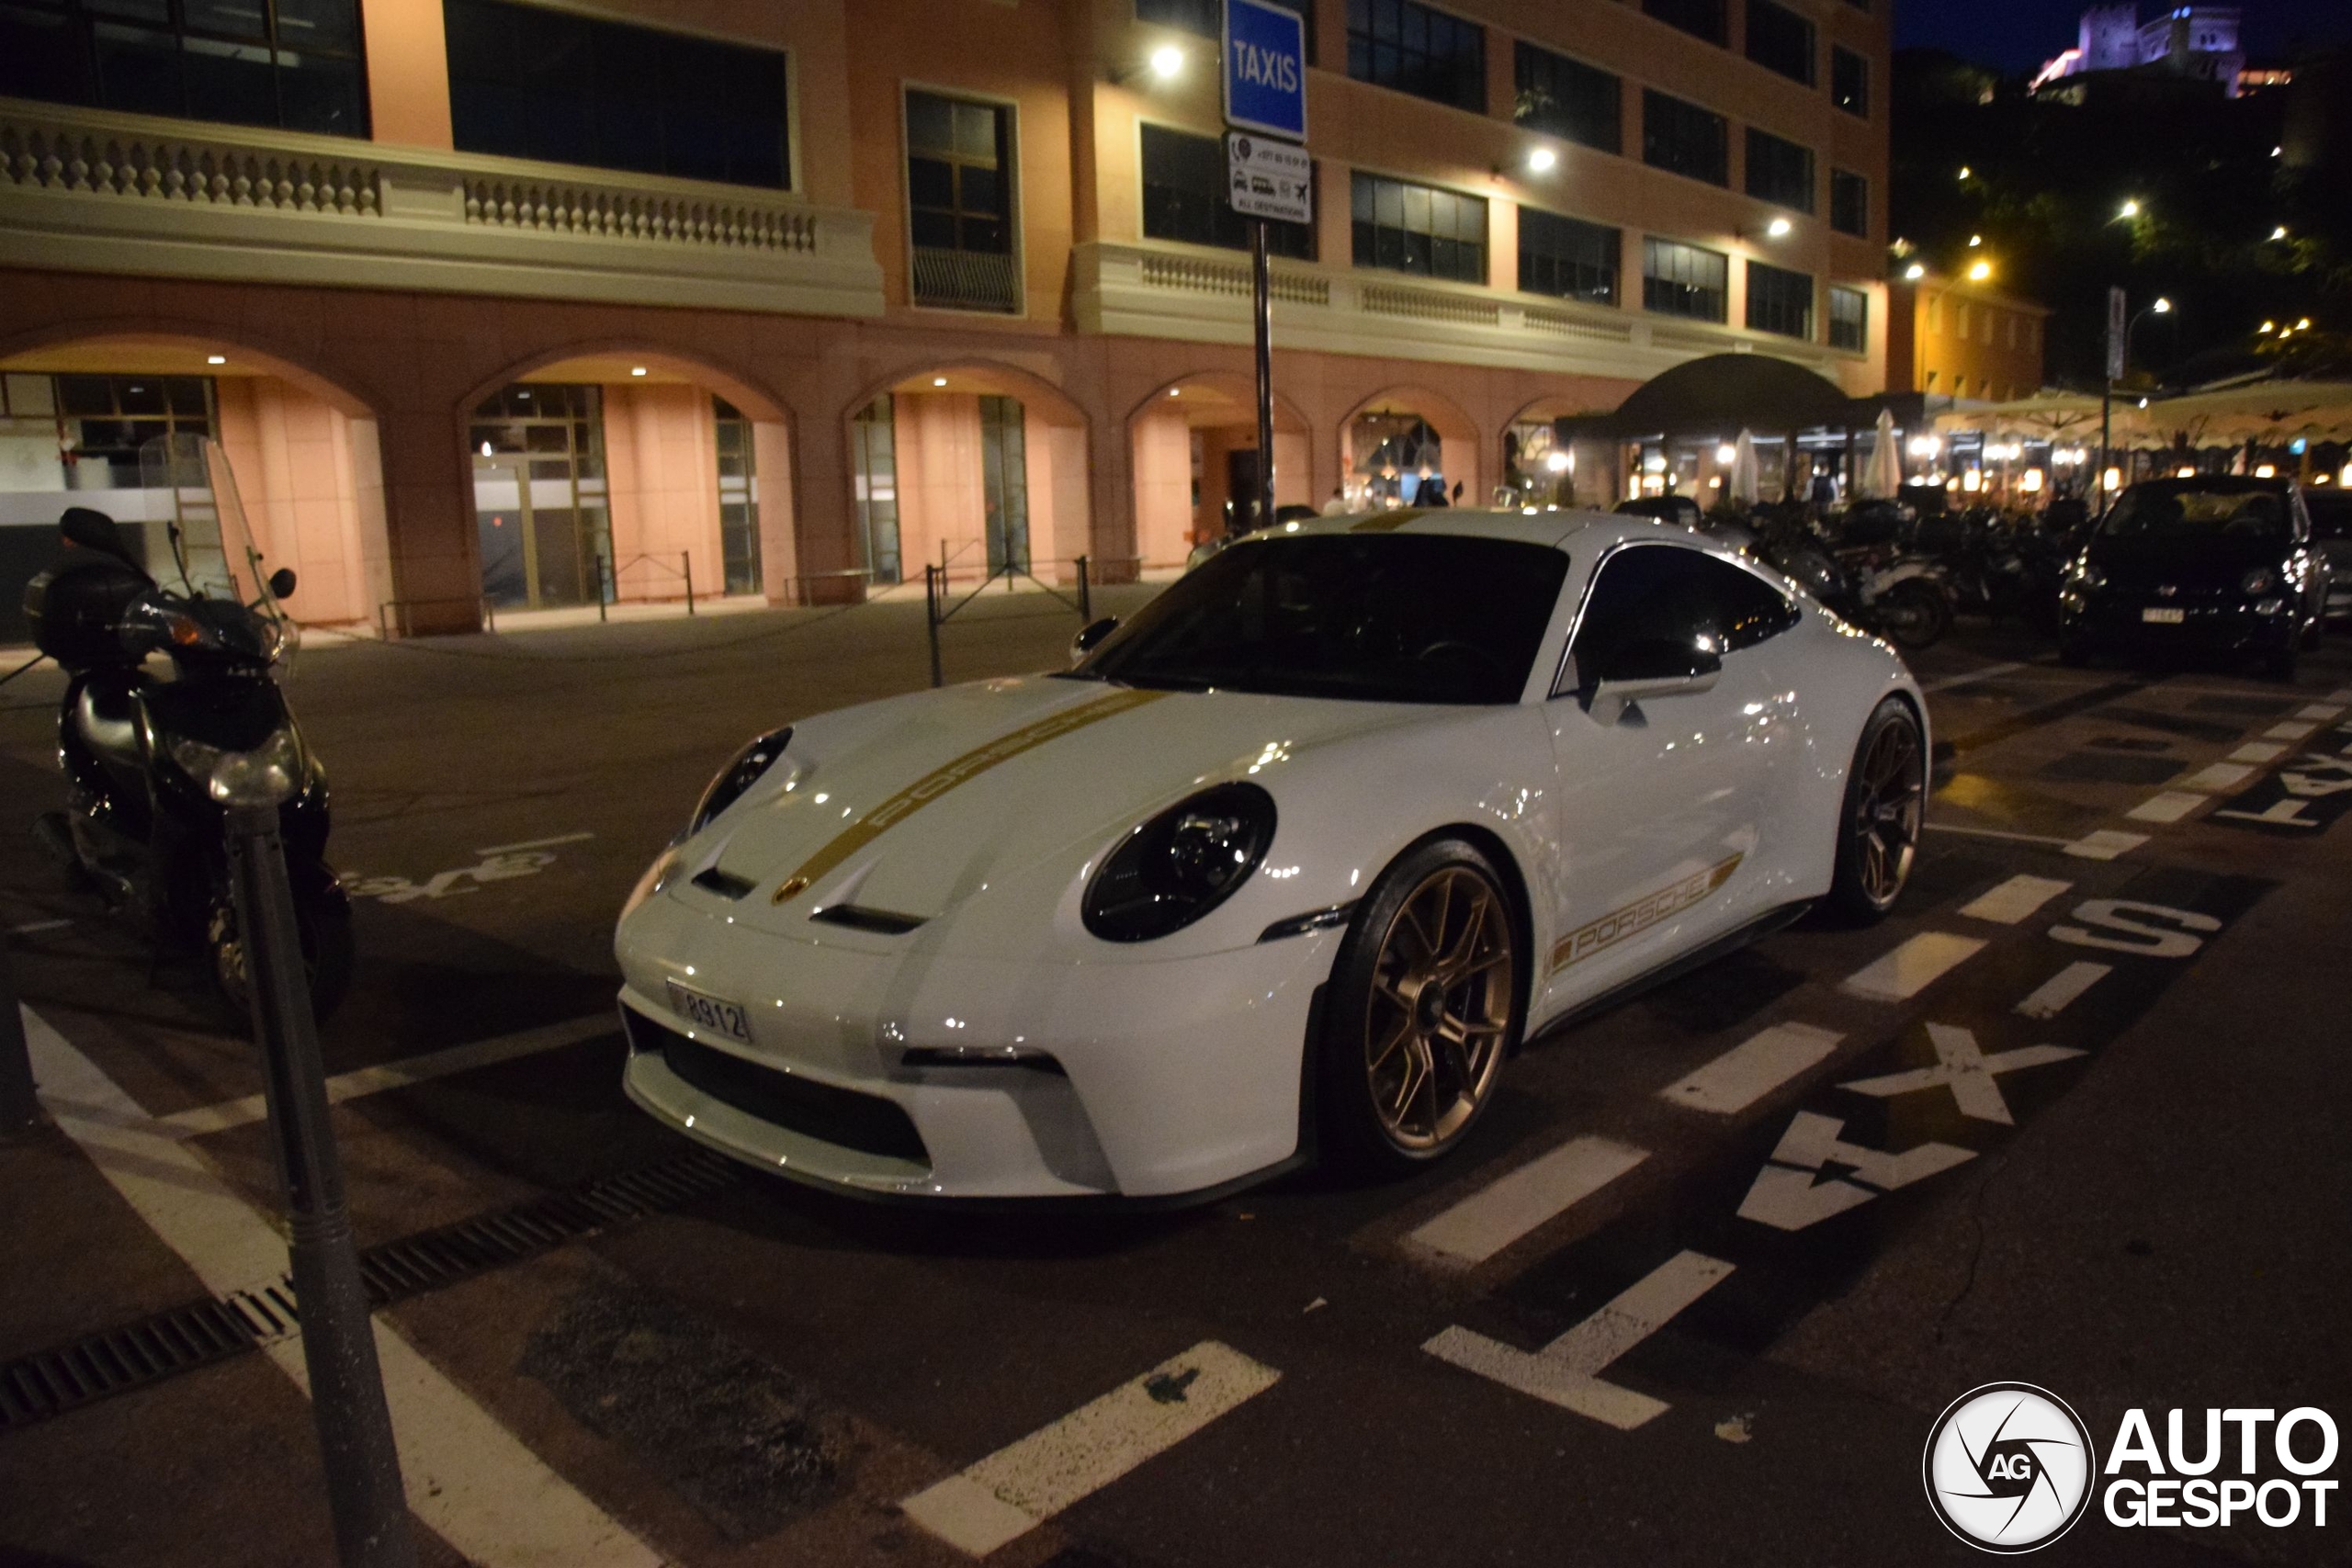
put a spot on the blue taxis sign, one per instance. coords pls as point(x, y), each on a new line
point(1265, 68)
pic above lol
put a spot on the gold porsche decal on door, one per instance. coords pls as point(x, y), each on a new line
point(940, 779)
point(1619, 924)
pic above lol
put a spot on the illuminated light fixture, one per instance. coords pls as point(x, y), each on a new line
point(1971, 481)
point(1542, 160)
point(2277, 152)
point(216, 359)
point(1655, 463)
point(2304, 325)
point(1777, 227)
point(2348, 474)
point(1727, 455)
point(2031, 482)
point(636, 369)
point(2185, 472)
point(1559, 462)
point(2279, 233)
point(2270, 326)
point(1974, 240)
point(1925, 446)
point(1914, 273)
point(1167, 62)
point(939, 380)
point(2143, 402)
point(2112, 479)
point(2265, 471)
point(485, 449)
point(2163, 306)
point(1965, 171)
point(2129, 210)
point(1980, 272)
point(1175, 391)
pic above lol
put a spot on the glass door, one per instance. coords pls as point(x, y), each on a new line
point(543, 518)
point(1004, 483)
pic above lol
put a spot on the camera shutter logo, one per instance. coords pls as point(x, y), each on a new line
point(2008, 1467)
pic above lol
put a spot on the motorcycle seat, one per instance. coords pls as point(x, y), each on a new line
point(107, 720)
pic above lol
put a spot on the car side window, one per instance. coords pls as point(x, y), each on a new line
point(1752, 608)
point(1666, 592)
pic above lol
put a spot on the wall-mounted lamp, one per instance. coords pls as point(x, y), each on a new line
point(216, 359)
point(636, 369)
point(1541, 161)
point(1980, 272)
point(1914, 273)
point(1162, 65)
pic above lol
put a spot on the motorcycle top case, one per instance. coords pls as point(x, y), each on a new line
point(76, 608)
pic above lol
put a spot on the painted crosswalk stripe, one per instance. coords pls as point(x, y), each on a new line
point(1990, 672)
point(1753, 1068)
point(1566, 1372)
point(2050, 998)
point(2169, 806)
point(402, 1074)
point(2218, 777)
point(1500, 1213)
point(1914, 966)
point(467, 1477)
point(2106, 844)
point(2288, 731)
point(2258, 752)
point(2343, 695)
point(2322, 711)
point(2014, 900)
point(1020, 1486)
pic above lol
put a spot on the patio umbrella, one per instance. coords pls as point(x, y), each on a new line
point(1745, 485)
point(1883, 476)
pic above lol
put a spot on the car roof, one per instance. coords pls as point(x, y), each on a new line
point(1573, 529)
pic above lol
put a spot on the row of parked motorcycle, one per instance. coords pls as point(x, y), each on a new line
point(1890, 570)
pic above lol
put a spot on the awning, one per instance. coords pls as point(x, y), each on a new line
point(1724, 393)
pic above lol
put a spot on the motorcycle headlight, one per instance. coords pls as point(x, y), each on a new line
point(2261, 580)
point(1179, 866)
point(268, 773)
point(193, 758)
point(739, 776)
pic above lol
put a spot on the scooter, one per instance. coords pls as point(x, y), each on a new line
point(1877, 587)
point(148, 761)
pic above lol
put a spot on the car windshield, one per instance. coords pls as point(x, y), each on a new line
point(2331, 513)
point(2194, 509)
point(1374, 617)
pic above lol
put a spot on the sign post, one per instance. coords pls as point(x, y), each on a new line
point(1270, 175)
point(2119, 333)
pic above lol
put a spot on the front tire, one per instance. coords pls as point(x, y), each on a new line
point(1425, 1002)
point(1916, 615)
point(1878, 827)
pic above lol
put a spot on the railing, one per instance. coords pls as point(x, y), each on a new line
point(97, 191)
point(608, 578)
point(965, 280)
point(939, 606)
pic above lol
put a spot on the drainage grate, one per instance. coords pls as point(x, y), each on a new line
point(36, 1387)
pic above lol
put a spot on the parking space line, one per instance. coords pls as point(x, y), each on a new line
point(1566, 1372)
point(1022, 1486)
point(1507, 1208)
point(2258, 752)
point(402, 1074)
point(2106, 844)
point(2014, 900)
point(2050, 998)
point(29, 929)
point(1914, 966)
point(467, 1477)
point(536, 844)
point(2170, 806)
point(2290, 731)
point(1995, 833)
point(2218, 777)
point(1754, 1069)
point(2342, 695)
point(2320, 711)
point(1990, 672)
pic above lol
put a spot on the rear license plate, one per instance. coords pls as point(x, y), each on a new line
point(711, 1012)
point(2164, 617)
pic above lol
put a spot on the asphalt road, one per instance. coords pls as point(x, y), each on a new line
point(2126, 1184)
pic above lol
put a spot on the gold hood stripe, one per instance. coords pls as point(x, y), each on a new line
point(964, 768)
point(1639, 916)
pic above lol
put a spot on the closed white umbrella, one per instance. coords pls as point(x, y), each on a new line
point(1745, 487)
point(1883, 474)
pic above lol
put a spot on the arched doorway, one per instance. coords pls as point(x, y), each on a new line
point(1408, 446)
point(75, 413)
point(1195, 458)
point(977, 467)
point(1542, 464)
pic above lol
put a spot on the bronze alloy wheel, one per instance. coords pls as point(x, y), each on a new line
point(1884, 805)
point(1439, 1018)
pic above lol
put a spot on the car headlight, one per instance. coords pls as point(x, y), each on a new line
point(2088, 577)
point(739, 776)
point(2261, 580)
point(1179, 866)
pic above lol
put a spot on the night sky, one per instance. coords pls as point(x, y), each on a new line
point(2018, 35)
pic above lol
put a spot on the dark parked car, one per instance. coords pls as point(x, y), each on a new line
point(2215, 563)
point(2331, 513)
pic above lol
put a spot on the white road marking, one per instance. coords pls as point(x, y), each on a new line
point(536, 844)
point(1988, 673)
point(27, 930)
point(1566, 1372)
point(1507, 1208)
point(1753, 1068)
point(1995, 833)
point(467, 1477)
point(1786, 1197)
point(2014, 900)
point(1963, 1068)
point(2169, 806)
point(2258, 752)
point(2288, 731)
point(1020, 1486)
point(409, 1070)
point(2343, 695)
point(2050, 998)
point(1914, 966)
point(2321, 712)
point(2218, 777)
point(2106, 844)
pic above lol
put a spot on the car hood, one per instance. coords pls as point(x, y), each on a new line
point(2214, 563)
point(915, 806)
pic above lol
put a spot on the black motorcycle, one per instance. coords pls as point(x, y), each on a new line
point(149, 761)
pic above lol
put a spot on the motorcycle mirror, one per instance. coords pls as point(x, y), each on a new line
point(94, 530)
point(1090, 634)
point(281, 583)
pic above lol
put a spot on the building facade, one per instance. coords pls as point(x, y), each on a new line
point(1959, 340)
point(494, 299)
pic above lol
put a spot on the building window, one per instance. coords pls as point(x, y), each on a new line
point(1849, 203)
point(1778, 40)
point(1563, 257)
point(739, 499)
point(1779, 302)
point(1849, 81)
point(1849, 319)
point(1413, 228)
point(1684, 138)
point(109, 418)
point(293, 64)
point(1683, 280)
point(874, 464)
point(1567, 98)
point(1396, 43)
point(1778, 172)
point(1703, 18)
point(959, 203)
point(526, 81)
point(1184, 198)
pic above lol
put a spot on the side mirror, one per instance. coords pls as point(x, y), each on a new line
point(94, 531)
point(1090, 634)
point(281, 583)
point(1651, 667)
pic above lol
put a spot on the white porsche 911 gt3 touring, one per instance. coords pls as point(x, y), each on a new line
point(1284, 867)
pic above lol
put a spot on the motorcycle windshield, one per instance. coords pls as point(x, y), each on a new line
point(214, 553)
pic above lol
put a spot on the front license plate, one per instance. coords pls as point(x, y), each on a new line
point(711, 1012)
point(2164, 617)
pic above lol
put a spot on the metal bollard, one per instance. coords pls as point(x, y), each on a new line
point(687, 565)
point(931, 597)
point(355, 1425)
point(1085, 599)
point(19, 1108)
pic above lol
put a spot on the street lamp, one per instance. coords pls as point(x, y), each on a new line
point(2129, 210)
point(2159, 306)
